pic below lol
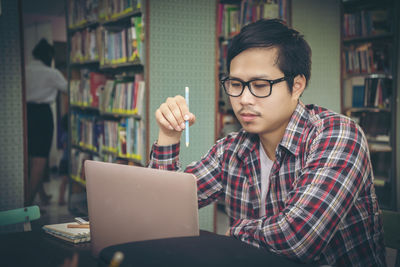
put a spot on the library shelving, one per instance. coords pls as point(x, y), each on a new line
point(107, 118)
point(232, 15)
point(368, 84)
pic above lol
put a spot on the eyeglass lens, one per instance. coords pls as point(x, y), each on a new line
point(257, 87)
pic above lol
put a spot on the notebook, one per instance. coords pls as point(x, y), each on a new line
point(74, 235)
point(130, 203)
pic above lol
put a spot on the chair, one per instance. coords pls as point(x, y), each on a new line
point(21, 215)
point(391, 228)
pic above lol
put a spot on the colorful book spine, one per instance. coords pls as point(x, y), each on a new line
point(232, 17)
point(124, 138)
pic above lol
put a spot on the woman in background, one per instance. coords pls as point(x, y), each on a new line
point(42, 85)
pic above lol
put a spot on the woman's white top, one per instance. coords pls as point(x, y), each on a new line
point(43, 83)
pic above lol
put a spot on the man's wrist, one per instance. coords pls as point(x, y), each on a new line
point(167, 140)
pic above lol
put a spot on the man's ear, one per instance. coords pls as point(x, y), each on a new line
point(299, 84)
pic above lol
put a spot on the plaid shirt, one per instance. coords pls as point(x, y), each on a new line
point(321, 204)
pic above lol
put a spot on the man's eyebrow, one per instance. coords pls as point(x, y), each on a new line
point(266, 77)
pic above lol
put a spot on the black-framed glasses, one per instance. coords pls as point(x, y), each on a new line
point(257, 87)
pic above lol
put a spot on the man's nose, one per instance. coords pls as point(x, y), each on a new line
point(247, 96)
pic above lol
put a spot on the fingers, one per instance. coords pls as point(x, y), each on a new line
point(175, 106)
point(173, 113)
point(192, 119)
point(184, 108)
point(162, 121)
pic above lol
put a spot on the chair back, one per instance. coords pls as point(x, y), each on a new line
point(20, 215)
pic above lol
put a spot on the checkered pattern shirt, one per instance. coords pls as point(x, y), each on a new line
point(321, 204)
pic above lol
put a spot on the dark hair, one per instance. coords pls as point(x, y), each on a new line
point(294, 53)
point(43, 51)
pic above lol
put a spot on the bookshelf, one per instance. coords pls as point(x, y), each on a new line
point(369, 84)
point(232, 15)
point(107, 88)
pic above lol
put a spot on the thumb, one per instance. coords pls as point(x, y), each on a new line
point(192, 119)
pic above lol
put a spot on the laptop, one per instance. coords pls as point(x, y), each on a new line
point(130, 203)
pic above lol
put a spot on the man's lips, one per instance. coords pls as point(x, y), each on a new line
point(248, 116)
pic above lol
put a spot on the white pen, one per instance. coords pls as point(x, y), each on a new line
point(187, 122)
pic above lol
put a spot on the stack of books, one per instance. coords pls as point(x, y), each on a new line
point(62, 231)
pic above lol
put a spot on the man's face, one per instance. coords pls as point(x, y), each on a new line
point(263, 116)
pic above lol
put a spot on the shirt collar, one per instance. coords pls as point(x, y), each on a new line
point(248, 143)
point(294, 132)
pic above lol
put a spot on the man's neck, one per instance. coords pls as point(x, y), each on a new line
point(270, 141)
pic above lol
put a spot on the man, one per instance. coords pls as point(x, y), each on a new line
point(297, 179)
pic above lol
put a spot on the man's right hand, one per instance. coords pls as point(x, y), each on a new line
point(171, 117)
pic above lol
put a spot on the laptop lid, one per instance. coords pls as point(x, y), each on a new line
point(130, 203)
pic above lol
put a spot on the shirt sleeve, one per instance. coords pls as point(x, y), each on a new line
point(337, 167)
point(60, 82)
point(207, 170)
point(165, 157)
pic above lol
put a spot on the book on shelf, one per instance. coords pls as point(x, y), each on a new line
point(123, 44)
point(368, 92)
point(139, 98)
point(77, 159)
point(85, 45)
point(74, 89)
point(85, 92)
point(122, 139)
point(123, 97)
point(105, 95)
point(367, 58)
point(232, 17)
point(377, 92)
point(134, 137)
point(366, 23)
point(110, 136)
point(136, 39)
point(83, 128)
point(97, 81)
point(358, 95)
point(73, 235)
point(125, 138)
point(83, 12)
